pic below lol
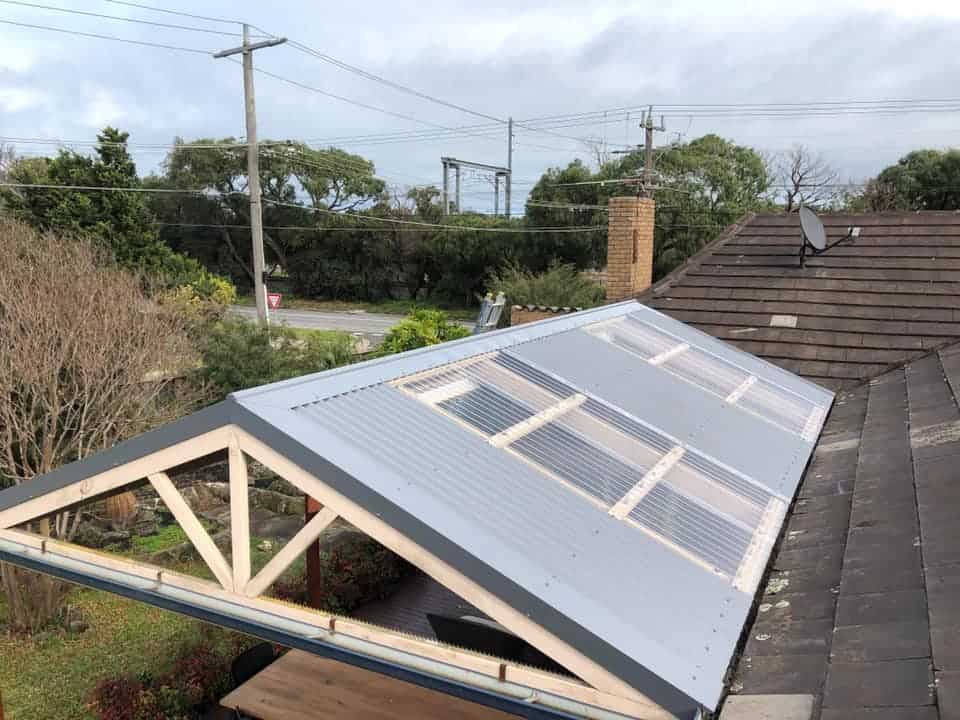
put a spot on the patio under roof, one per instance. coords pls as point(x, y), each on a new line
point(607, 485)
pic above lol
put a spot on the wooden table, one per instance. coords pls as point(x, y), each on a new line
point(301, 686)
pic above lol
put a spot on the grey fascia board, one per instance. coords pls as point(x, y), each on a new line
point(313, 388)
point(266, 426)
point(122, 453)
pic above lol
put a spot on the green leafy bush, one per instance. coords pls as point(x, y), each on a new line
point(419, 329)
point(354, 573)
point(204, 299)
point(239, 354)
point(560, 286)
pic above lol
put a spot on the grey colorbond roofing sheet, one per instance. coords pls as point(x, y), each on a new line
point(516, 448)
point(612, 474)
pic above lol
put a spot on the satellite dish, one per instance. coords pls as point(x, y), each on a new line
point(814, 235)
point(813, 230)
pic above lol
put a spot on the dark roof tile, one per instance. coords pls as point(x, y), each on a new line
point(882, 492)
point(861, 308)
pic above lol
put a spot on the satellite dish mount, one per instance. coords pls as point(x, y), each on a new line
point(814, 235)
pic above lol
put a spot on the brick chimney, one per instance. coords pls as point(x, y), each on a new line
point(629, 246)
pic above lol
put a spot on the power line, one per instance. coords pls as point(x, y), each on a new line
point(112, 38)
point(108, 143)
point(141, 6)
point(117, 17)
point(389, 83)
point(435, 225)
point(341, 98)
point(215, 193)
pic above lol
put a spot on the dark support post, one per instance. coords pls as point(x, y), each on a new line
point(314, 588)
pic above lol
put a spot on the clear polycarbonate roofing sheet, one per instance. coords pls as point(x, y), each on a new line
point(625, 471)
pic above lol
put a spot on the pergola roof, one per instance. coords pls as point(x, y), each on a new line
point(614, 476)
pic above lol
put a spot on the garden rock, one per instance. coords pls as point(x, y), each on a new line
point(267, 524)
point(147, 522)
point(340, 535)
point(279, 485)
point(201, 497)
point(89, 535)
point(119, 538)
point(277, 502)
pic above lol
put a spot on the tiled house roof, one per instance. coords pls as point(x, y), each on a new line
point(861, 607)
point(876, 301)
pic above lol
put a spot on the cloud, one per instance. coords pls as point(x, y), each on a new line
point(15, 99)
point(503, 57)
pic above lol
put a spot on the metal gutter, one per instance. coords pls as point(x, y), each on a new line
point(466, 684)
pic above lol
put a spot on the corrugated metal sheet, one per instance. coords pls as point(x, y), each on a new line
point(614, 475)
point(615, 466)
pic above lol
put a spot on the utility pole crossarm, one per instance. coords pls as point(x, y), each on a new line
point(272, 42)
point(253, 165)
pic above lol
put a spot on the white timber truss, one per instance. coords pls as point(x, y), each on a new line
point(599, 694)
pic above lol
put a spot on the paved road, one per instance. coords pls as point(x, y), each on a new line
point(372, 326)
point(352, 322)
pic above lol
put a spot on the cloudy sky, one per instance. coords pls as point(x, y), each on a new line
point(501, 58)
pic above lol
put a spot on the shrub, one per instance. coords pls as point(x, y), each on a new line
point(202, 301)
point(200, 674)
point(199, 677)
point(358, 572)
point(419, 329)
point(131, 698)
point(239, 354)
point(560, 285)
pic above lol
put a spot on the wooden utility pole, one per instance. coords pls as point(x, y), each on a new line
point(253, 165)
point(649, 128)
point(508, 190)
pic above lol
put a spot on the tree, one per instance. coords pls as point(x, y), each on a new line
point(86, 361)
point(301, 186)
point(702, 186)
point(121, 220)
point(118, 217)
point(921, 180)
point(805, 179)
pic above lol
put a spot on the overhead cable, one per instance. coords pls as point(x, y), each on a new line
point(111, 38)
point(153, 8)
point(279, 203)
point(118, 18)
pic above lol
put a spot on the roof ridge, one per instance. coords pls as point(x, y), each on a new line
point(948, 343)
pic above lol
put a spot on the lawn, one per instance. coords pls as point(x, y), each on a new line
point(387, 307)
point(51, 675)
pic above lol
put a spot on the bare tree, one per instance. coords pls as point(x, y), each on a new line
point(86, 361)
point(805, 179)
